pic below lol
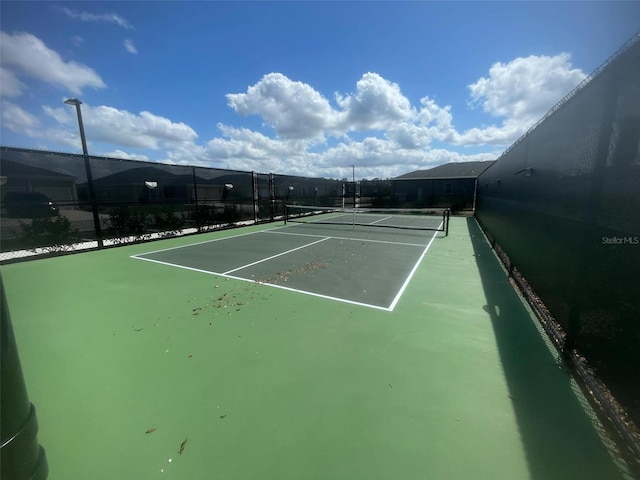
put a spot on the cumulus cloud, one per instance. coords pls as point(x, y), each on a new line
point(521, 92)
point(375, 127)
point(123, 128)
point(377, 104)
point(100, 17)
point(294, 109)
point(375, 157)
point(244, 149)
point(526, 88)
point(145, 130)
point(16, 118)
point(26, 54)
point(130, 47)
point(10, 86)
point(409, 135)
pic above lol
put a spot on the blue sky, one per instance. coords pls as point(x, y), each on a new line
point(305, 88)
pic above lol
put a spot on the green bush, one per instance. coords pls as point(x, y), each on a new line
point(168, 223)
point(125, 225)
point(51, 234)
point(230, 214)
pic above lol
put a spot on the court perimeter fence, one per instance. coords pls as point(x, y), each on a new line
point(53, 202)
point(562, 207)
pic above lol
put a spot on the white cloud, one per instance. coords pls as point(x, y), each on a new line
point(374, 157)
point(26, 54)
point(100, 17)
point(505, 134)
point(17, 119)
point(521, 91)
point(526, 88)
point(296, 110)
point(10, 86)
point(293, 109)
point(376, 104)
point(244, 149)
point(122, 128)
point(124, 155)
point(376, 127)
point(130, 47)
point(409, 135)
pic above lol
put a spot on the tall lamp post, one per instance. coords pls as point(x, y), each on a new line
point(87, 166)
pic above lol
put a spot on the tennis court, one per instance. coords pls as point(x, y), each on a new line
point(330, 255)
point(297, 351)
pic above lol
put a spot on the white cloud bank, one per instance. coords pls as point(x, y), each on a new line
point(375, 127)
point(122, 128)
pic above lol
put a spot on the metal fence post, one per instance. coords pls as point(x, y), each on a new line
point(254, 190)
point(195, 199)
point(272, 198)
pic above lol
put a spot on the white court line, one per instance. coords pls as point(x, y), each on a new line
point(410, 276)
point(177, 265)
point(380, 220)
point(224, 275)
point(197, 243)
point(390, 308)
point(347, 238)
point(275, 256)
point(313, 294)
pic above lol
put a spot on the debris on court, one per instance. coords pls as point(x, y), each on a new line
point(284, 275)
point(182, 445)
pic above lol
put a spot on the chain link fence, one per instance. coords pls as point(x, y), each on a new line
point(48, 203)
point(563, 203)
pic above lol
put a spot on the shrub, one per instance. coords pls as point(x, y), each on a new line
point(126, 225)
point(51, 234)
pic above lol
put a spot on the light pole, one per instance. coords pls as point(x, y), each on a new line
point(87, 167)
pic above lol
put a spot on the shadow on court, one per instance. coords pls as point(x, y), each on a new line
point(555, 430)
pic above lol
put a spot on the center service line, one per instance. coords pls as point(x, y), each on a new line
point(277, 255)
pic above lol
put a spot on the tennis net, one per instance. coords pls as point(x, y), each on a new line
point(404, 218)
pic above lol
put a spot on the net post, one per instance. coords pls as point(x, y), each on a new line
point(286, 213)
point(447, 216)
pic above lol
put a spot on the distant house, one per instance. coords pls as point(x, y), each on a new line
point(18, 177)
point(450, 185)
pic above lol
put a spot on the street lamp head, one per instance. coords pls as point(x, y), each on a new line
point(73, 101)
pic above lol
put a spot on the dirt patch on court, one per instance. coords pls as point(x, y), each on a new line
point(284, 275)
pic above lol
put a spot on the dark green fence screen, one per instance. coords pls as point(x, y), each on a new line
point(48, 204)
point(563, 203)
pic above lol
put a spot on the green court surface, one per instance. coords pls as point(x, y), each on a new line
point(296, 353)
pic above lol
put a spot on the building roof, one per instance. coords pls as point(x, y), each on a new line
point(450, 170)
